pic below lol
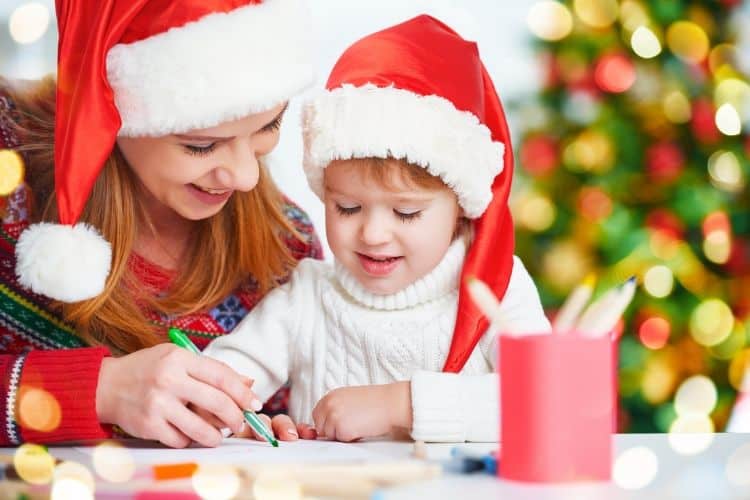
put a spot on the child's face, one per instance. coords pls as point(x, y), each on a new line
point(386, 238)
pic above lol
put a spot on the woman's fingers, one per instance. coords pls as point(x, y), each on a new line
point(283, 428)
point(192, 425)
point(208, 398)
point(222, 377)
point(170, 436)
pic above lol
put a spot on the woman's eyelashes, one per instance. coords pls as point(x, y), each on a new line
point(196, 150)
point(204, 149)
point(404, 215)
point(274, 125)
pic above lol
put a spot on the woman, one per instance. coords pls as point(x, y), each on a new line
point(157, 213)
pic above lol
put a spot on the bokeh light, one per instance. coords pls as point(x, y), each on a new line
point(696, 395)
point(738, 465)
point(113, 462)
point(717, 246)
point(635, 468)
point(276, 487)
point(72, 480)
point(550, 20)
point(688, 41)
point(633, 15)
point(594, 203)
point(677, 107)
point(592, 151)
point(691, 434)
point(722, 57)
point(654, 332)
point(732, 344)
point(536, 212)
point(725, 171)
point(735, 92)
point(29, 22)
point(34, 464)
point(738, 371)
point(658, 379)
point(728, 120)
point(216, 481)
point(581, 107)
point(658, 281)
point(596, 13)
point(565, 264)
point(614, 73)
point(711, 322)
point(38, 409)
point(645, 43)
point(11, 171)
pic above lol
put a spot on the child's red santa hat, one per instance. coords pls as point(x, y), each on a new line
point(150, 68)
point(418, 91)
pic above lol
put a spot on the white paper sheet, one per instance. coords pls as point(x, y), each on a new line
point(245, 451)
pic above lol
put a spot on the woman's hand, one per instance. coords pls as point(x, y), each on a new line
point(351, 413)
point(282, 427)
point(147, 394)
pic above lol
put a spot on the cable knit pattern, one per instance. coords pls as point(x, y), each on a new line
point(322, 330)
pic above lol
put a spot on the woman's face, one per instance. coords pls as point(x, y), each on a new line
point(195, 173)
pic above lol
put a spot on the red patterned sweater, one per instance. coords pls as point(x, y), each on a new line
point(39, 350)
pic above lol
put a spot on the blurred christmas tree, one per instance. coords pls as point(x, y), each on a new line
point(633, 161)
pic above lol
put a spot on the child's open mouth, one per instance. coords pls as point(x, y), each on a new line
point(378, 265)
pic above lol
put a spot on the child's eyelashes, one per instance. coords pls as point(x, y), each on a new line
point(408, 216)
point(403, 215)
point(347, 210)
point(199, 150)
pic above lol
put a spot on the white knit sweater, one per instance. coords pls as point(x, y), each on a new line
point(322, 330)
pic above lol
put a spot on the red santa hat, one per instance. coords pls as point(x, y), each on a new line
point(418, 91)
point(150, 68)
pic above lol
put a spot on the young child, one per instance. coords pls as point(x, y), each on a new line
point(409, 150)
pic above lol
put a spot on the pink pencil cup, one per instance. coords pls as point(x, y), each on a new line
point(557, 404)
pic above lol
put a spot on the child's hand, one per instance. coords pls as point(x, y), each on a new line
point(282, 428)
point(351, 413)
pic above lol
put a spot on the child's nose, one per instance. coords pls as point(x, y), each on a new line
point(375, 231)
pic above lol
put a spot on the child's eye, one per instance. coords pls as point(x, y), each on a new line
point(200, 150)
point(347, 210)
point(408, 215)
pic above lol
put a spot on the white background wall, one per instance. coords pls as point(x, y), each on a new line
point(498, 26)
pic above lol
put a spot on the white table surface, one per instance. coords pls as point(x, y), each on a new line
point(702, 475)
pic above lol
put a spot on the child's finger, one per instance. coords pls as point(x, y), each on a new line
point(307, 431)
point(319, 419)
point(284, 428)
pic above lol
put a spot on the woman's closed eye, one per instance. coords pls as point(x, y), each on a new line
point(200, 149)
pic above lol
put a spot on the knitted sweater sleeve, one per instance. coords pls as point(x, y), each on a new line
point(263, 345)
point(450, 407)
point(47, 377)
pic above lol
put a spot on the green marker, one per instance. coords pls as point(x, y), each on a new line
point(179, 339)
